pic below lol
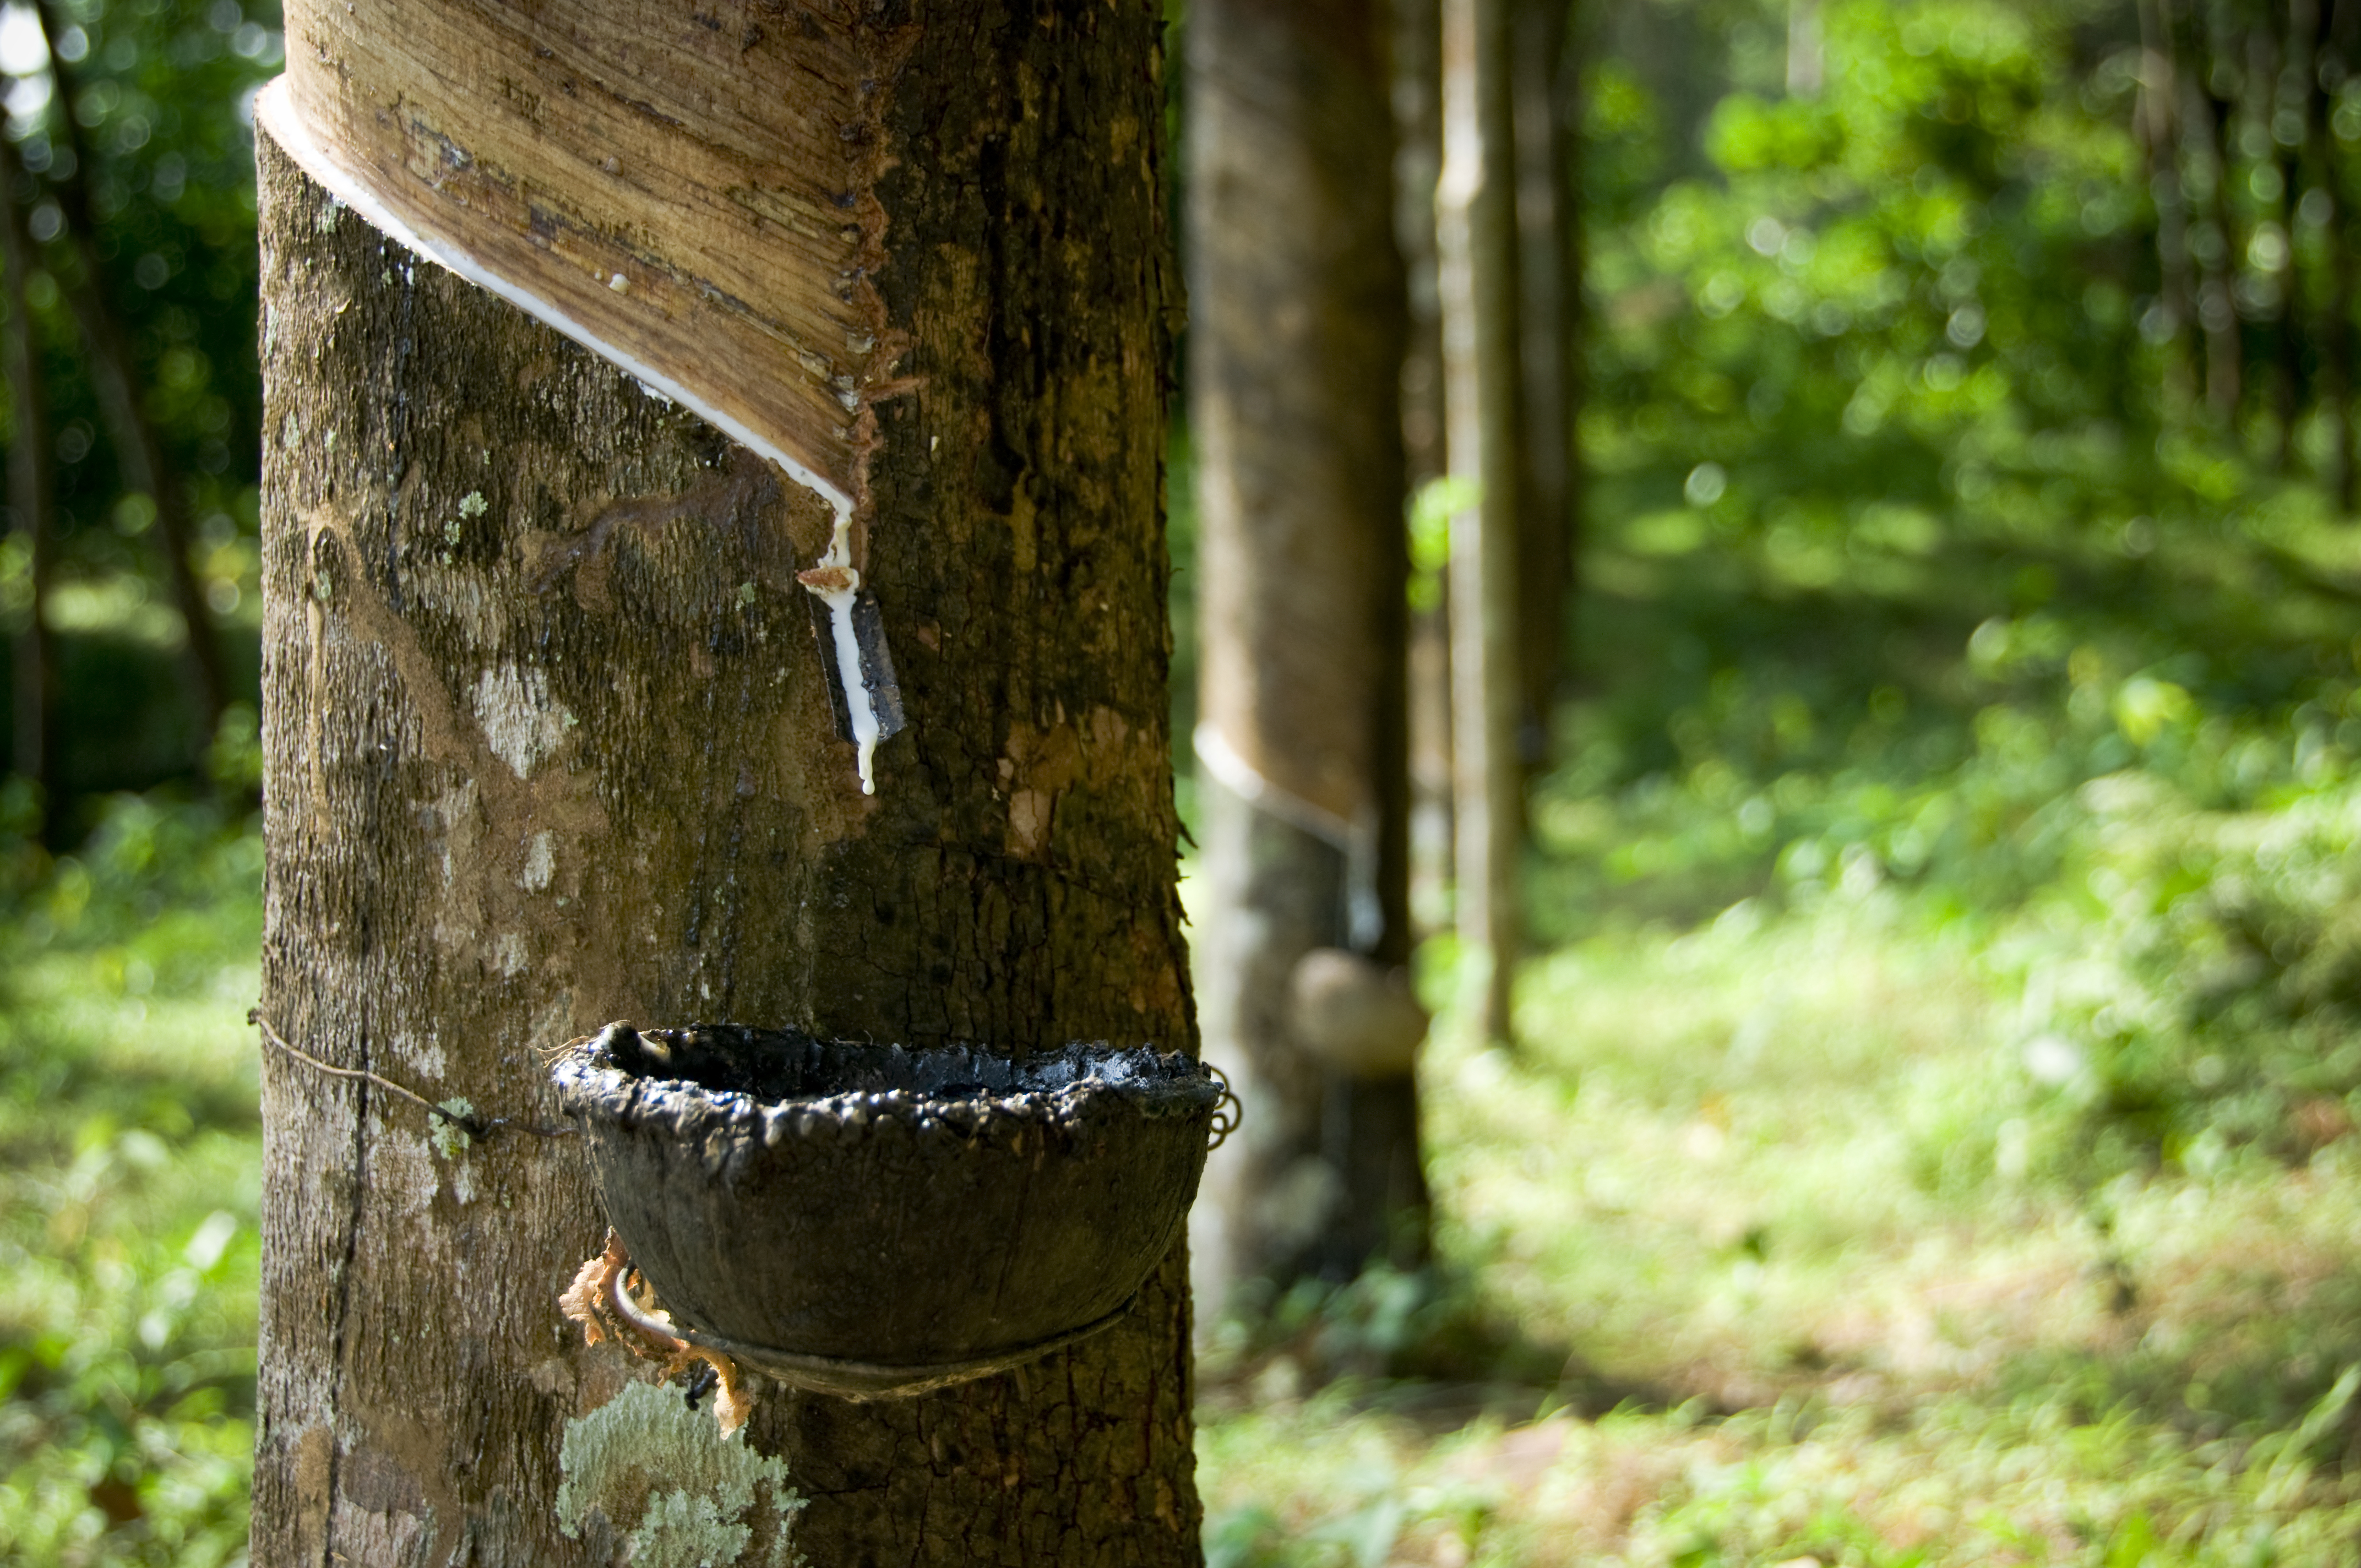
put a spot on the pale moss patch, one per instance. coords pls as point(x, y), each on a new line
point(683, 1497)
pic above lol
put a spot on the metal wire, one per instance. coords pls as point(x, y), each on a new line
point(1227, 1112)
point(479, 1127)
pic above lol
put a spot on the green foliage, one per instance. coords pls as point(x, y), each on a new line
point(128, 1191)
point(1906, 573)
point(1934, 1120)
point(160, 98)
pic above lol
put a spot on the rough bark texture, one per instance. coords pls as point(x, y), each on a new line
point(549, 743)
point(1476, 230)
point(1296, 345)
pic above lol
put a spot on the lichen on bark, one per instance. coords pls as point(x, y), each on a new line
point(682, 1496)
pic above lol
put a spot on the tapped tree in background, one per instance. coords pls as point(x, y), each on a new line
point(1297, 328)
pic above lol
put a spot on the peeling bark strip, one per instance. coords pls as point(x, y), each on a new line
point(688, 189)
point(547, 743)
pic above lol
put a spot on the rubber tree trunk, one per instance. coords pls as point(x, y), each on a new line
point(1476, 235)
point(1540, 91)
point(548, 742)
point(33, 752)
point(1418, 162)
point(1296, 339)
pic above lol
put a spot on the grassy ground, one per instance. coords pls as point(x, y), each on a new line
point(1788, 1234)
point(1770, 1189)
point(1929, 1139)
point(129, 1151)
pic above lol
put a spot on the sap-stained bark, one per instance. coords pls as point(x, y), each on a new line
point(547, 743)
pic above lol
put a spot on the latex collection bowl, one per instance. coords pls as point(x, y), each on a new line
point(868, 1219)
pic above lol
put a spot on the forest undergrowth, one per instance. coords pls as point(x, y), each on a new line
point(1930, 1132)
point(1950, 1160)
point(1929, 1136)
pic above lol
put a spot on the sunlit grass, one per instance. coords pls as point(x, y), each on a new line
point(1770, 1183)
point(128, 1199)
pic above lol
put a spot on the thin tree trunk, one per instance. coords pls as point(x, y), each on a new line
point(1539, 82)
point(2208, 122)
point(2330, 323)
point(2289, 95)
point(1418, 161)
point(2159, 136)
point(1296, 341)
point(33, 737)
point(148, 467)
point(2339, 337)
point(1475, 229)
point(548, 741)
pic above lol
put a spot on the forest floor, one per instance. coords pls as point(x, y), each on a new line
point(1774, 1240)
point(1754, 1224)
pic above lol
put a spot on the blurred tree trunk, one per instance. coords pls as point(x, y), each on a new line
point(1541, 80)
point(1298, 325)
point(147, 469)
point(1476, 243)
point(2288, 94)
point(2209, 115)
point(1418, 162)
point(2337, 334)
point(548, 742)
point(2157, 119)
point(2332, 321)
point(32, 655)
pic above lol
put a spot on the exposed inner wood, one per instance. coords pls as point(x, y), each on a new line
point(686, 189)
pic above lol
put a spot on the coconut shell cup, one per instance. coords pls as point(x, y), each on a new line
point(866, 1220)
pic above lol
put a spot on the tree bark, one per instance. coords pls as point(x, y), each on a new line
point(1476, 219)
point(2335, 305)
point(1299, 321)
point(548, 742)
point(1418, 162)
point(2338, 339)
point(31, 497)
point(148, 467)
point(1540, 90)
point(2157, 117)
point(2288, 93)
point(2209, 117)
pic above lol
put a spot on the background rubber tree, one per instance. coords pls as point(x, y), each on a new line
point(1476, 237)
point(548, 741)
point(1534, 388)
point(1299, 322)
